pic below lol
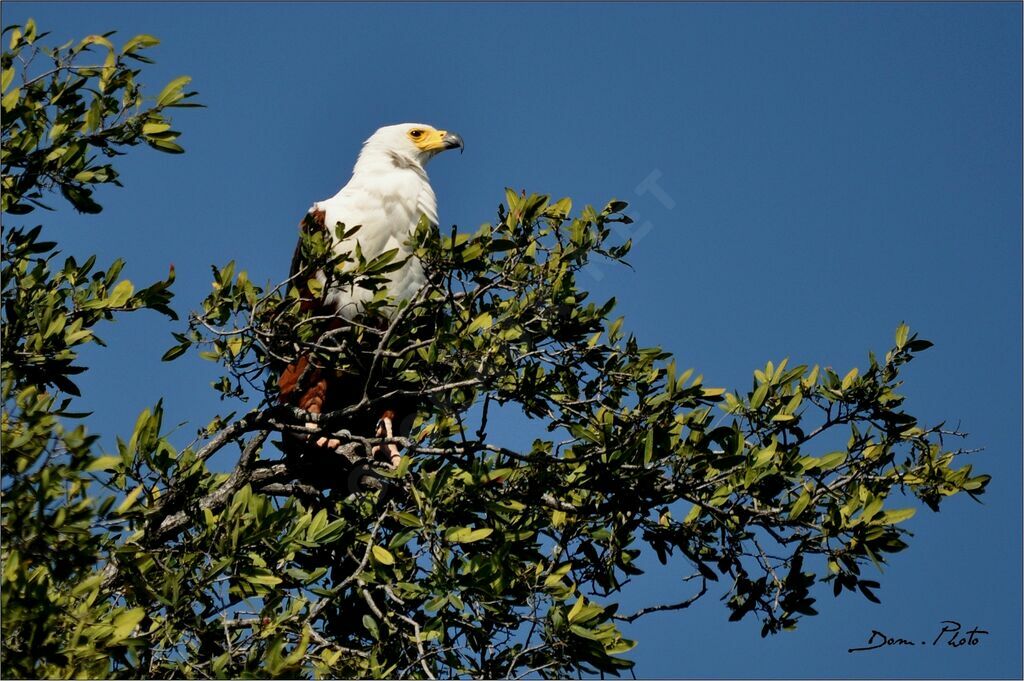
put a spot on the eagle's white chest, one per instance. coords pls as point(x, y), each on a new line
point(387, 203)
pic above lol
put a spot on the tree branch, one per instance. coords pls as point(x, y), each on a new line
point(662, 608)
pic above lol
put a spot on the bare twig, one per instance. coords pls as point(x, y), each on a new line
point(662, 608)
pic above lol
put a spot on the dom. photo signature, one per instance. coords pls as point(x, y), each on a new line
point(951, 635)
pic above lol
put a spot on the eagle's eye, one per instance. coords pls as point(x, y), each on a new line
point(415, 134)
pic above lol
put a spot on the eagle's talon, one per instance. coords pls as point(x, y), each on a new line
point(328, 442)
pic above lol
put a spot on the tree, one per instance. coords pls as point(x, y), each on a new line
point(469, 558)
point(66, 114)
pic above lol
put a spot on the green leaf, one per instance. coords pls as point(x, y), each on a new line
point(472, 252)
point(575, 610)
point(129, 500)
point(109, 462)
point(126, 622)
point(10, 100)
point(872, 508)
point(615, 206)
point(467, 535)
point(96, 40)
point(584, 633)
point(371, 626)
point(94, 116)
point(120, 295)
point(139, 42)
point(166, 146)
point(262, 576)
point(758, 397)
point(175, 352)
point(315, 526)
point(154, 128)
point(897, 516)
point(382, 555)
point(560, 208)
point(483, 321)
point(501, 245)
point(407, 519)
point(381, 262)
point(172, 93)
point(799, 505)
point(330, 532)
point(829, 461)
point(902, 332)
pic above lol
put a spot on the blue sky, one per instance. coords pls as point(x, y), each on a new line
point(804, 177)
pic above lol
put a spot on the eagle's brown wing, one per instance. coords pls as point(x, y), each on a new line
point(301, 384)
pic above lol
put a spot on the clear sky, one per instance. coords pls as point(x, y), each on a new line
point(805, 176)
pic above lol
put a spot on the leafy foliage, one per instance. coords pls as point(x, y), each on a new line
point(472, 557)
point(58, 111)
point(57, 117)
point(509, 561)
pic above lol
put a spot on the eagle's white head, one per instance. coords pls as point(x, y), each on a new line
point(408, 144)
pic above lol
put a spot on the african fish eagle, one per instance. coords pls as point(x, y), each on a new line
point(388, 193)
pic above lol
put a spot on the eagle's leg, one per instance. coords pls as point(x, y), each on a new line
point(385, 429)
point(313, 399)
point(313, 402)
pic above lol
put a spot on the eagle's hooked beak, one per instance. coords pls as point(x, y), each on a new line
point(452, 140)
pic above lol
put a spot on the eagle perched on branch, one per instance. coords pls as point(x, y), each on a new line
point(386, 197)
